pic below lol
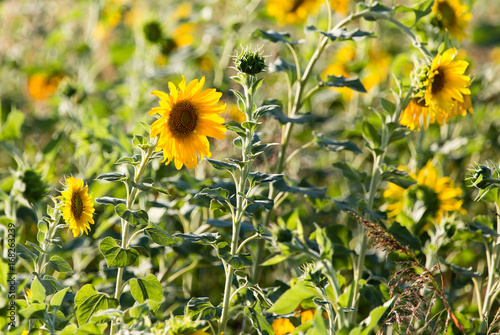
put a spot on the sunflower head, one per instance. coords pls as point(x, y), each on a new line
point(292, 11)
point(153, 31)
point(452, 16)
point(76, 206)
point(186, 118)
point(430, 198)
point(251, 63)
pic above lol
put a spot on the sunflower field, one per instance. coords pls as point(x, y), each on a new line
point(265, 167)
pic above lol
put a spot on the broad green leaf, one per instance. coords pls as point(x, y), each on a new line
point(57, 298)
point(70, 329)
point(398, 177)
point(88, 301)
point(91, 328)
point(371, 134)
point(25, 253)
point(51, 284)
point(259, 322)
point(349, 172)
point(278, 115)
point(159, 235)
point(59, 264)
point(236, 261)
point(146, 288)
point(37, 291)
point(292, 298)
point(318, 325)
point(139, 217)
point(135, 160)
point(115, 255)
point(35, 309)
point(204, 307)
point(263, 110)
point(11, 129)
point(275, 259)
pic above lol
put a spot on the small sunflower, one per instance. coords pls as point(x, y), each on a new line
point(186, 117)
point(283, 326)
point(446, 83)
point(453, 16)
point(416, 114)
point(430, 197)
point(292, 12)
point(77, 207)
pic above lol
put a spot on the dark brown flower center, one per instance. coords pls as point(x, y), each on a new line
point(295, 5)
point(448, 16)
point(438, 82)
point(76, 205)
point(183, 119)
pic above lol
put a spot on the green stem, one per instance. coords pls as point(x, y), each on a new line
point(131, 196)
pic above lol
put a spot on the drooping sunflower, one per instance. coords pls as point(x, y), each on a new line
point(292, 12)
point(446, 83)
point(453, 16)
point(431, 197)
point(77, 207)
point(186, 117)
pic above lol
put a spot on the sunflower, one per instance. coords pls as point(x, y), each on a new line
point(431, 196)
point(282, 326)
point(446, 83)
point(292, 12)
point(186, 117)
point(77, 207)
point(340, 6)
point(452, 16)
point(42, 86)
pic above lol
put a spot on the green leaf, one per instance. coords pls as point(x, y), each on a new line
point(91, 328)
point(159, 235)
point(36, 247)
point(146, 288)
point(263, 110)
point(57, 298)
point(135, 160)
point(398, 177)
point(302, 188)
point(336, 146)
point(222, 165)
point(236, 261)
point(250, 125)
point(325, 244)
point(35, 309)
point(204, 238)
point(341, 81)
point(59, 264)
point(110, 201)
point(24, 253)
point(318, 325)
point(11, 129)
point(281, 65)
point(349, 172)
point(115, 255)
point(51, 284)
point(292, 298)
point(220, 194)
point(259, 322)
point(37, 291)
point(388, 106)
point(236, 128)
point(341, 34)
point(278, 115)
point(273, 36)
point(141, 142)
point(133, 217)
point(256, 178)
point(89, 301)
point(205, 307)
point(112, 176)
point(276, 259)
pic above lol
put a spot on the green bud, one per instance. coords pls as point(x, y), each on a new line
point(284, 235)
point(152, 31)
point(34, 187)
point(251, 63)
point(481, 177)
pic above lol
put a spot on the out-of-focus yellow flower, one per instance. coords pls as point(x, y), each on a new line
point(77, 207)
point(42, 85)
point(282, 326)
point(431, 196)
point(186, 117)
point(340, 6)
point(292, 12)
point(307, 315)
point(378, 67)
point(453, 16)
point(495, 55)
point(338, 68)
point(183, 34)
point(205, 63)
point(234, 114)
point(183, 11)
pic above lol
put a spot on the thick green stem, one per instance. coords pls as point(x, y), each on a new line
point(131, 196)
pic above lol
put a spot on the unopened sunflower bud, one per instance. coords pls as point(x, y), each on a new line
point(34, 187)
point(153, 32)
point(250, 62)
point(482, 177)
